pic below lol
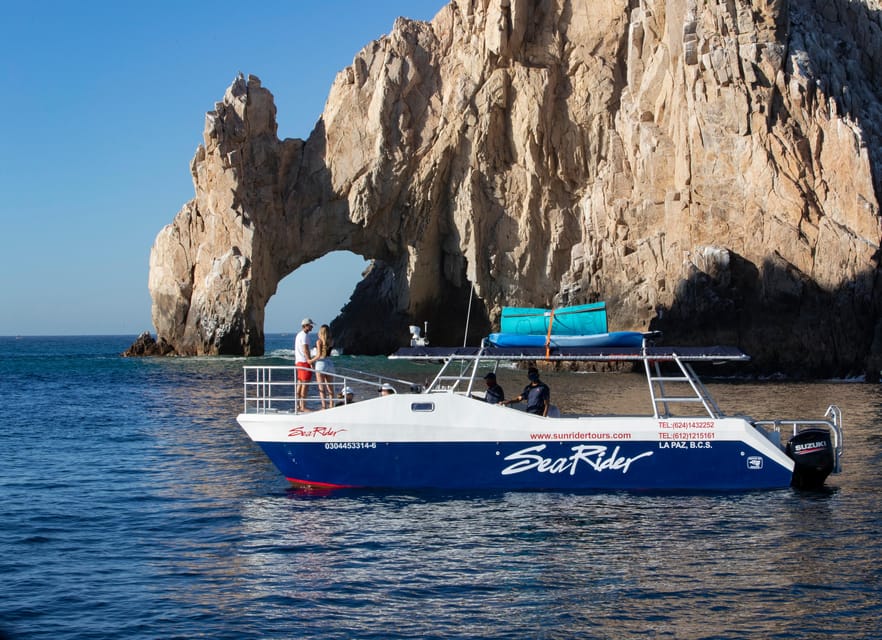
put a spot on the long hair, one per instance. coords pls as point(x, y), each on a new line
point(327, 342)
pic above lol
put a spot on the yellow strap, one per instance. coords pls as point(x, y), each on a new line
point(548, 336)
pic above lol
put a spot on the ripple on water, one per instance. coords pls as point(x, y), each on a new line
point(134, 507)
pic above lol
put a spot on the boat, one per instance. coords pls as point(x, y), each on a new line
point(612, 339)
point(583, 319)
point(441, 435)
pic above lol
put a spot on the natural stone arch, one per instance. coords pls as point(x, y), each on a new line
point(265, 207)
point(318, 289)
point(556, 153)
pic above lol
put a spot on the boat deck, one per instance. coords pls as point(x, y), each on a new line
point(584, 354)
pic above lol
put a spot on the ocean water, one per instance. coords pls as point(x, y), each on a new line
point(133, 506)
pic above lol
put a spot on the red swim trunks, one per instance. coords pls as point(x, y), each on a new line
point(304, 373)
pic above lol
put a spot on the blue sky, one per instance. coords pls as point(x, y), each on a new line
point(103, 108)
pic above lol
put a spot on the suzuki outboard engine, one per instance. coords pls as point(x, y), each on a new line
point(812, 451)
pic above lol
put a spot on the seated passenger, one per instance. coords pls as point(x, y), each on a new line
point(347, 396)
point(387, 389)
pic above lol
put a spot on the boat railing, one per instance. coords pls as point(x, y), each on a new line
point(377, 378)
point(273, 388)
point(833, 423)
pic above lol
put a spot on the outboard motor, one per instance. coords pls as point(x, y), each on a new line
point(812, 451)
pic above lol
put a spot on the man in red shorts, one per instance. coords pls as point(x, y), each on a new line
point(302, 362)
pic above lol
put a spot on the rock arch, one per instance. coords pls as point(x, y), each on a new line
point(263, 208)
point(552, 153)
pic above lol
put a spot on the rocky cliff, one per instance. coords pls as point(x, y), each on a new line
point(710, 168)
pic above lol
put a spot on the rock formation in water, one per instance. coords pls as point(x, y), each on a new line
point(709, 168)
point(147, 345)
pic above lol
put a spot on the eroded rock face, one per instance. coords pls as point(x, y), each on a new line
point(710, 169)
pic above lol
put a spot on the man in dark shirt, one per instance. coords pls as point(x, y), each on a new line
point(494, 394)
point(536, 394)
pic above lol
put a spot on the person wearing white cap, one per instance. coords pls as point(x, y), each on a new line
point(302, 362)
point(348, 395)
point(386, 389)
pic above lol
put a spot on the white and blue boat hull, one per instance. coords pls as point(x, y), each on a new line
point(450, 442)
point(548, 466)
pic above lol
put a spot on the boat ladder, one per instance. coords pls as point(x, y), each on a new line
point(683, 387)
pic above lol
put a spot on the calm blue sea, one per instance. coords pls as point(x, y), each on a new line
point(133, 506)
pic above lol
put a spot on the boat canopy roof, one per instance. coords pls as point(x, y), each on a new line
point(585, 354)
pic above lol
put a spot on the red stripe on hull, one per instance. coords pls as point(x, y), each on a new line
point(319, 485)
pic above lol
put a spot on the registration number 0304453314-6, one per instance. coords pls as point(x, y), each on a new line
point(350, 445)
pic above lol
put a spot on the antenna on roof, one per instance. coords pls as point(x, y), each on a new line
point(465, 336)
